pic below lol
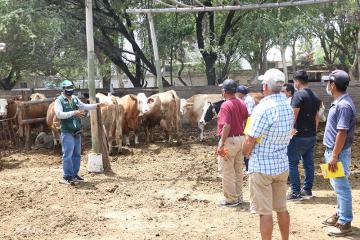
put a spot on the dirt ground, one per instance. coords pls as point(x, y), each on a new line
point(156, 191)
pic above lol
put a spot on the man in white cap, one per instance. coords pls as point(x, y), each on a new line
point(266, 145)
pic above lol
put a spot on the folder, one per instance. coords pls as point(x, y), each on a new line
point(328, 174)
point(246, 130)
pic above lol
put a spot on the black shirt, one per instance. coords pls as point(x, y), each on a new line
point(309, 104)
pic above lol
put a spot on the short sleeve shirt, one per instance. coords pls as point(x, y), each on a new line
point(308, 103)
point(272, 121)
point(233, 112)
point(250, 103)
point(342, 115)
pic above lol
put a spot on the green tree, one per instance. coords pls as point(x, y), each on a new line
point(38, 42)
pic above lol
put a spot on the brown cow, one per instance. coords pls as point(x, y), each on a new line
point(134, 106)
point(164, 111)
point(53, 123)
point(32, 112)
point(112, 119)
point(257, 96)
point(192, 109)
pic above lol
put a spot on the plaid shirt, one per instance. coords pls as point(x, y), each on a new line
point(272, 120)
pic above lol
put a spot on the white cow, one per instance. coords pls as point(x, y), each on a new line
point(193, 109)
point(3, 107)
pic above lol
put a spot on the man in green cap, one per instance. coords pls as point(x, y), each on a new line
point(69, 109)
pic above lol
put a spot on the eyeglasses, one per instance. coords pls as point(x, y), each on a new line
point(69, 87)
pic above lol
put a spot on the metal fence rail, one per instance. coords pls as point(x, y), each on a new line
point(9, 142)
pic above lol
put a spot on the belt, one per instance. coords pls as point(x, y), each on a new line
point(237, 135)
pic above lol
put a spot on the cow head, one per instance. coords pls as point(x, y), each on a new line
point(210, 110)
point(142, 103)
point(182, 106)
point(3, 107)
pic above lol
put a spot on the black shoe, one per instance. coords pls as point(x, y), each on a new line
point(294, 197)
point(306, 193)
point(77, 178)
point(67, 181)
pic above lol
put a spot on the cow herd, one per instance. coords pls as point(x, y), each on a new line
point(128, 114)
point(122, 116)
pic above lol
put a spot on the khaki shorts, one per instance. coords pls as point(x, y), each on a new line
point(268, 193)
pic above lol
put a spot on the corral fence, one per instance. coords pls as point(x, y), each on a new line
point(9, 142)
point(186, 92)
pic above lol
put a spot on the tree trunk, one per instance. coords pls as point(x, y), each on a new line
point(210, 69)
point(180, 71)
point(282, 50)
point(8, 83)
point(263, 53)
point(293, 57)
point(119, 76)
point(171, 65)
point(358, 56)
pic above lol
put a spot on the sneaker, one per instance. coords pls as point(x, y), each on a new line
point(294, 197)
point(340, 230)
point(67, 181)
point(225, 203)
point(331, 221)
point(307, 194)
point(77, 178)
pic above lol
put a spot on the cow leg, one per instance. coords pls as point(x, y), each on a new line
point(136, 132)
point(167, 128)
point(110, 145)
point(201, 127)
point(119, 144)
point(127, 139)
point(147, 134)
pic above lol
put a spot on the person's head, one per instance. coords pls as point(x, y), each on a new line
point(300, 79)
point(288, 90)
point(68, 87)
point(272, 81)
point(241, 91)
point(229, 88)
point(337, 82)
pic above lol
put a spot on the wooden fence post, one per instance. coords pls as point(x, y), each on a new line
point(103, 142)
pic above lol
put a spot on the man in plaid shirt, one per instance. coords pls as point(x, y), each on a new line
point(266, 143)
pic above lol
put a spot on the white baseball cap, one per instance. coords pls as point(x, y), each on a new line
point(272, 77)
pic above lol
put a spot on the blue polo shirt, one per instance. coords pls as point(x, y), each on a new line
point(341, 116)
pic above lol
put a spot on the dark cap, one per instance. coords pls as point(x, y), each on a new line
point(242, 89)
point(229, 86)
point(301, 75)
point(340, 77)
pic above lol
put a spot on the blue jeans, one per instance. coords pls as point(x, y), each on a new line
point(301, 148)
point(71, 148)
point(342, 186)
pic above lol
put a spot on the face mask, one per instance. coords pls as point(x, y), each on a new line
point(69, 92)
point(328, 90)
point(283, 95)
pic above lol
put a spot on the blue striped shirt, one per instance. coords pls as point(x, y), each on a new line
point(272, 120)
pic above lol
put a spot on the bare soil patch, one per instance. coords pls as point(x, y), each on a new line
point(155, 191)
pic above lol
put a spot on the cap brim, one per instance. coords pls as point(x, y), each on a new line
point(261, 78)
point(325, 78)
